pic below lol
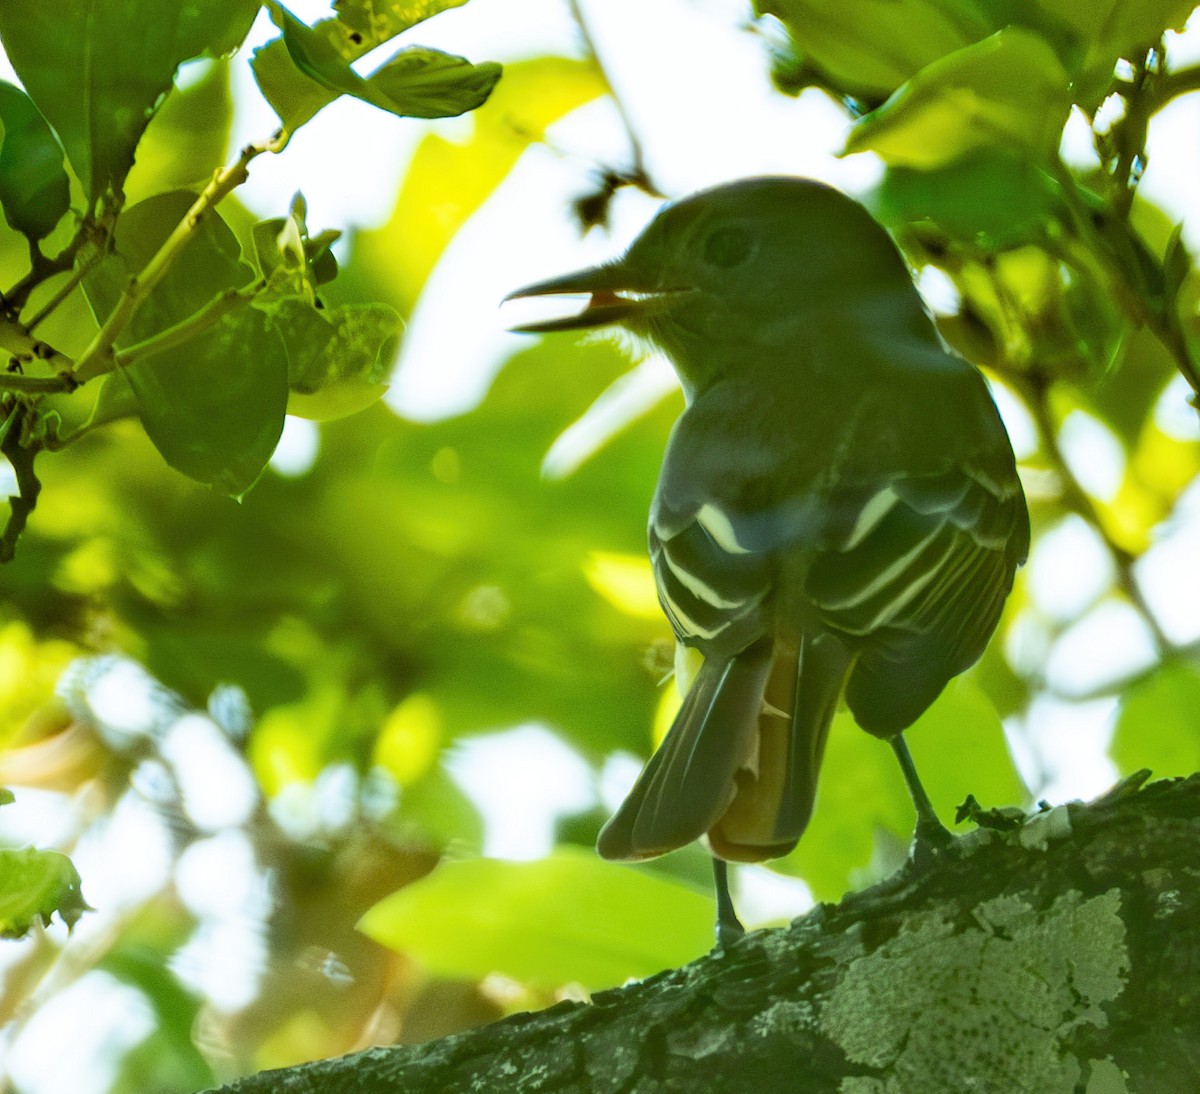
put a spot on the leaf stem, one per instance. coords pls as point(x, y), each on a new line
point(187, 329)
point(25, 349)
point(638, 174)
point(68, 287)
point(98, 358)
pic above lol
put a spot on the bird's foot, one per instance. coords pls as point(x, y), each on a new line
point(930, 839)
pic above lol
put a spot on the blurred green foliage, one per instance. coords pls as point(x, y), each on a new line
point(422, 584)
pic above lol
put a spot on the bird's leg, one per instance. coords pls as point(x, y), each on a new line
point(729, 927)
point(930, 831)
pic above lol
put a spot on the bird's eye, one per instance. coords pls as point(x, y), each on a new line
point(728, 247)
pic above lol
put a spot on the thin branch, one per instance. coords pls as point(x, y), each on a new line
point(1142, 311)
point(67, 288)
point(1130, 137)
point(637, 172)
point(23, 503)
point(98, 358)
point(1036, 390)
point(37, 385)
point(42, 268)
point(187, 329)
point(25, 349)
point(1174, 84)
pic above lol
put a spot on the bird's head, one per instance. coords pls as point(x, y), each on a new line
point(749, 265)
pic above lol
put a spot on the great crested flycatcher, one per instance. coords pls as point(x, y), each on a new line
point(838, 513)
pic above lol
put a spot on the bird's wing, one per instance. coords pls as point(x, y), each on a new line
point(918, 581)
point(723, 511)
point(711, 587)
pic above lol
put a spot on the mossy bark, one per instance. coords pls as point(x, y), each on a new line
point(1062, 954)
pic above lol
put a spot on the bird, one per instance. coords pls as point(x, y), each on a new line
point(838, 517)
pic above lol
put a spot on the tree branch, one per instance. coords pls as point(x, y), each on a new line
point(1034, 956)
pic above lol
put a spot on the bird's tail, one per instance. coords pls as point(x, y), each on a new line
point(741, 759)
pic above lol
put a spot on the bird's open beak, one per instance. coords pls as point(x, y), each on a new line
point(614, 295)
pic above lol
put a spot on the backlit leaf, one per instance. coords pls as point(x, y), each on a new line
point(33, 886)
point(871, 47)
point(337, 363)
point(1156, 724)
point(1008, 91)
point(306, 70)
point(34, 191)
point(568, 918)
point(98, 69)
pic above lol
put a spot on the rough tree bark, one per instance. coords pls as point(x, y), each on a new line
point(1057, 954)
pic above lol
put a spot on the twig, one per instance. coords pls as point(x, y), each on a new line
point(20, 505)
point(1174, 84)
point(67, 288)
point(187, 329)
point(37, 385)
point(26, 349)
point(98, 358)
point(1129, 136)
point(1134, 302)
point(42, 268)
point(1036, 390)
point(637, 173)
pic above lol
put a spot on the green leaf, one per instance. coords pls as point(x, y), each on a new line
point(364, 24)
point(336, 359)
point(870, 47)
point(308, 68)
point(989, 199)
point(34, 191)
point(1156, 723)
point(99, 69)
point(33, 886)
point(862, 806)
point(210, 264)
point(283, 243)
point(1008, 91)
point(426, 83)
point(214, 405)
point(569, 918)
point(1115, 28)
point(292, 95)
point(1176, 265)
point(188, 138)
point(114, 401)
